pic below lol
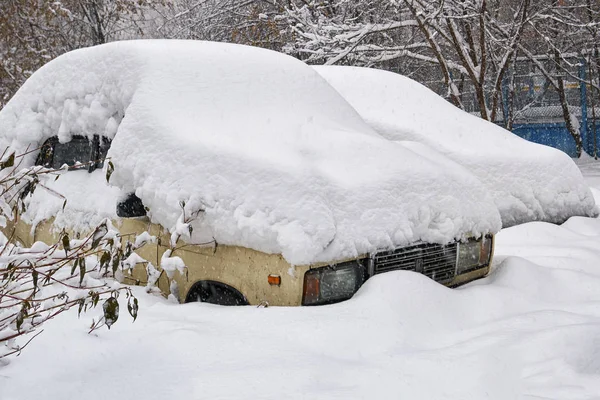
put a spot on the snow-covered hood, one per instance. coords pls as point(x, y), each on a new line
point(528, 181)
point(277, 160)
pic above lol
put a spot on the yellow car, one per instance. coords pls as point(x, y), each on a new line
point(255, 181)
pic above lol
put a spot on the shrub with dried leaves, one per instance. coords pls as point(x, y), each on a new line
point(45, 280)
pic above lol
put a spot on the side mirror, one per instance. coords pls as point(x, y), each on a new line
point(131, 207)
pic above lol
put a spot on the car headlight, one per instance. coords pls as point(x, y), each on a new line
point(332, 284)
point(474, 254)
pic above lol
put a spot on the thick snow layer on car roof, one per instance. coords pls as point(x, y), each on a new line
point(277, 160)
point(528, 181)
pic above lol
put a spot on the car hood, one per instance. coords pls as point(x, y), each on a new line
point(528, 181)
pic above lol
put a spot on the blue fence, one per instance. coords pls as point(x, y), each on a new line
point(556, 135)
point(540, 118)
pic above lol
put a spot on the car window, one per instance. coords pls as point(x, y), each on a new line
point(79, 150)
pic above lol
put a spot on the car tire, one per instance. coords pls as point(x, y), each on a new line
point(215, 293)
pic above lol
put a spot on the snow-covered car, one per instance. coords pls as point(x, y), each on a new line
point(292, 198)
point(528, 181)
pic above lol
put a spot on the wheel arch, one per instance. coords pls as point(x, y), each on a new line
point(214, 292)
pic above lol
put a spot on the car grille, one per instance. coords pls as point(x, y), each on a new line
point(433, 260)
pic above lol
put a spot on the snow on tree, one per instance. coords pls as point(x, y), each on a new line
point(470, 46)
point(32, 32)
point(455, 35)
point(249, 22)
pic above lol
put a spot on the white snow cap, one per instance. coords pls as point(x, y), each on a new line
point(528, 181)
point(278, 160)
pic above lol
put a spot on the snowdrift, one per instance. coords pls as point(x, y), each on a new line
point(528, 331)
point(278, 160)
point(527, 181)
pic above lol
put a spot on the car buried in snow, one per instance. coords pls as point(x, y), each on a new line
point(247, 168)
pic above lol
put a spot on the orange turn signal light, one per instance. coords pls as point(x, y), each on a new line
point(274, 280)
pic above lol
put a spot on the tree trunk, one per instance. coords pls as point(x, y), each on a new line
point(565, 106)
point(561, 87)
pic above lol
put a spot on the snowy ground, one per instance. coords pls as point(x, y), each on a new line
point(531, 330)
point(591, 171)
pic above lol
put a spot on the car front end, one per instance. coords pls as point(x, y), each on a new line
point(452, 265)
